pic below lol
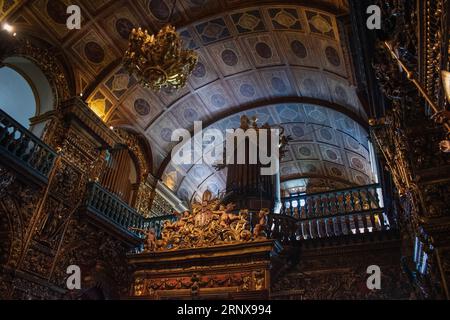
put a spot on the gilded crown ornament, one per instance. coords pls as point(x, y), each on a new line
point(159, 61)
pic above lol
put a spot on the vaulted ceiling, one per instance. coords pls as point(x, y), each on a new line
point(286, 62)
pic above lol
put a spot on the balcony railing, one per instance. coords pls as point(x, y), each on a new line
point(110, 209)
point(323, 215)
point(303, 217)
point(19, 146)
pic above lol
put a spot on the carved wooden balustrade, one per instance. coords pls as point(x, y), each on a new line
point(21, 150)
point(110, 209)
point(324, 215)
point(321, 215)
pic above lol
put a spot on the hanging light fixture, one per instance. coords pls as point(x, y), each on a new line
point(159, 61)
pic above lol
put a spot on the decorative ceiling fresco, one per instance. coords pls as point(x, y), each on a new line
point(288, 61)
point(328, 151)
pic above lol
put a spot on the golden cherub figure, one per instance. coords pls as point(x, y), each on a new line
point(259, 229)
point(150, 238)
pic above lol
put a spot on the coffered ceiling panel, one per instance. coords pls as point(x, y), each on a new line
point(251, 54)
point(326, 146)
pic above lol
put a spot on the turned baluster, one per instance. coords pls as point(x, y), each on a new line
point(103, 203)
point(360, 200)
point(356, 220)
point(337, 226)
point(381, 217)
point(91, 199)
point(330, 201)
point(305, 230)
point(11, 144)
point(29, 151)
point(316, 228)
point(133, 221)
point(97, 202)
point(328, 227)
point(377, 199)
point(324, 226)
point(321, 206)
point(344, 203)
point(115, 210)
point(288, 209)
point(348, 225)
point(126, 217)
point(321, 228)
point(337, 203)
point(296, 212)
point(308, 208)
point(118, 209)
point(299, 231)
point(120, 213)
point(129, 218)
point(352, 201)
point(369, 198)
point(370, 221)
point(3, 132)
point(313, 207)
point(106, 208)
point(364, 222)
point(310, 229)
point(106, 205)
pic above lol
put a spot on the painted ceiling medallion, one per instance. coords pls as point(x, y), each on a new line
point(213, 29)
point(285, 19)
point(120, 82)
point(159, 61)
point(321, 24)
point(248, 21)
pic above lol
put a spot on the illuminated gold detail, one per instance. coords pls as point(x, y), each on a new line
point(210, 224)
point(98, 106)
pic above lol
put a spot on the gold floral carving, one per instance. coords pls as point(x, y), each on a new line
point(209, 224)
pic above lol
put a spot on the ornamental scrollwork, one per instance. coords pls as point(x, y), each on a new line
point(209, 224)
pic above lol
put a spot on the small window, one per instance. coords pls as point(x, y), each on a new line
point(16, 96)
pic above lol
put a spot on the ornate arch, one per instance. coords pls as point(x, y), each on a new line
point(44, 56)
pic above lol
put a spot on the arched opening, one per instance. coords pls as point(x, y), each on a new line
point(17, 97)
point(33, 85)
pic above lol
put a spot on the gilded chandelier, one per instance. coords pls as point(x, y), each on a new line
point(159, 61)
